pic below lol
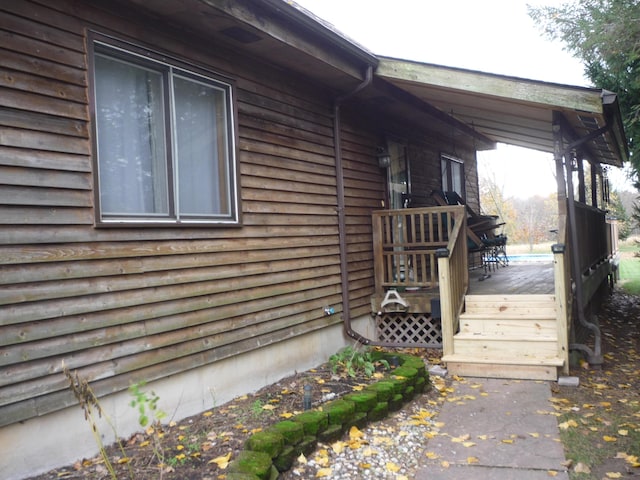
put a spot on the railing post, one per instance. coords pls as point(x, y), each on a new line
point(562, 286)
point(446, 301)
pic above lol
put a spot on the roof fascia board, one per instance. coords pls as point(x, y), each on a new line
point(353, 61)
point(512, 88)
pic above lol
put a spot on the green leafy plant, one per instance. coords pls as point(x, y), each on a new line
point(149, 417)
point(354, 361)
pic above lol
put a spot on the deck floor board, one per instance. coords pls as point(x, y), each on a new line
point(515, 279)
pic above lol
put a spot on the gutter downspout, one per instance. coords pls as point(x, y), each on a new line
point(342, 230)
point(594, 357)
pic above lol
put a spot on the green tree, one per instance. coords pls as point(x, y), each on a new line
point(605, 35)
point(617, 210)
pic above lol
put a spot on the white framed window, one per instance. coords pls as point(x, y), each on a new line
point(452, 171)
point(164, 140)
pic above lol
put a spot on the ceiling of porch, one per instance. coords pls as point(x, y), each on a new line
point(513, 110)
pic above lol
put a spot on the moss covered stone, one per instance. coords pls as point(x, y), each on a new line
point(339, 411)
point(313, 421)
point(284, 461)
point(251, 462)
point(291, 431)
point(378, 412)
point(400, 384)
point(409, 373)
point(421, 385)
point(331, 434)
point(409, 393)
point(269, 441)
point(384, 390)
point(396, 402)
point(307, 445)
point(359, 419)
point(364, 400)
point(241, 476)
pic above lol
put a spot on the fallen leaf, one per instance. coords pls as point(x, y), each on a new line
point(222, 461)
point(393, 467)
point(472, 460)
point(582, 468)
point(269, 407)
point(608, 438)
point(432, 455)
point(324, 472)
point(613, 475)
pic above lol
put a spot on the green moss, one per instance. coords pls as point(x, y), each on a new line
point(409, 393)
point(421, 385)
point(358, 419)
point(291, 431)
point(378, 412)
point(339, 411)
point(307, 445)
point(331, 434)
point(364, 401)
point(396, 402)
point(269, 442)
point(241, 476)
point(313, 421)
point(384, 390)
point(250, 462)
point(409, 373)
point(284, 461)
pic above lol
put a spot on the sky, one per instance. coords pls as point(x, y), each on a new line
point(495, 36)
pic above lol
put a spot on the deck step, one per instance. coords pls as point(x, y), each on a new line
point(505, 346)
point(511, 305)
point(526, 368)
point(502, 325)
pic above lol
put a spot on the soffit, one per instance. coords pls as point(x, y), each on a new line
point(513, 110)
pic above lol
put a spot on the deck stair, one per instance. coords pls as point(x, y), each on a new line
point(507, 336)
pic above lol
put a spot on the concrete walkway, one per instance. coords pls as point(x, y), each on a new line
point(495, 429)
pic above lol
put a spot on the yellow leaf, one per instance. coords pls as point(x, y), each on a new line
point(445, 464)
point(222, 461)
point(124, 460)
point(355, 432)
point(613, 475)
point(181, 456)
point(567, 424)
point(623, 433)
point(507, 440)
point(364, 466)
point(357, 388)
point(268, 407)
point(471, 460)
point(338, 447)
point(432, 455)
point(145, 443)
point(552, 473)
point(482, 437)
point(369, 452)
point(207, 414)
point(392, 467)
point(301, 458)
point(535, 435)
point(378, 375)
point(582, 468)
point(324, 472)
point(468, 444)
point(607, 438)
point(320, 381)
point(286, 415)
point(179, 447)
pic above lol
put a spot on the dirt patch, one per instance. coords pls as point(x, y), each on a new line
point(199, 447)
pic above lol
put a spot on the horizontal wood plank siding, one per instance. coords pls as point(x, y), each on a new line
point(125, 304)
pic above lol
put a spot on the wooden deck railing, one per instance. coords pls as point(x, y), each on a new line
point(593, 232)
point(454, 280)
point(405, 243)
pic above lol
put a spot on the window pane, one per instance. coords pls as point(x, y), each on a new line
point(131, 140)
point(457, 178)
point(201, 138)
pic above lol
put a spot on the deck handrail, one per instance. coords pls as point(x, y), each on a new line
point(453, 279)
point(405, 243)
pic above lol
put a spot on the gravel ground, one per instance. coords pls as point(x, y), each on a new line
point(391, 448)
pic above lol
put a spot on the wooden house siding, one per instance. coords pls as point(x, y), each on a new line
point(122, 305)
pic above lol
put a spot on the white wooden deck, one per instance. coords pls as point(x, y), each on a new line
point(515, 279)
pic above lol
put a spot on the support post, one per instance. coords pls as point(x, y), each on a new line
point(562, 286)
